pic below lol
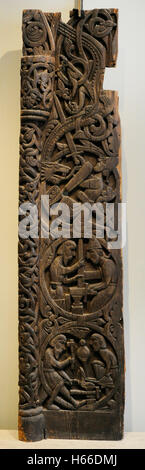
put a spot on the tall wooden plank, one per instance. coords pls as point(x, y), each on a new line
point(71, 351)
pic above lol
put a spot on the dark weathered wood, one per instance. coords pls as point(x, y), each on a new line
point(71, 351)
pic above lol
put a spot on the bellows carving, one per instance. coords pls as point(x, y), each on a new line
point(70, 289)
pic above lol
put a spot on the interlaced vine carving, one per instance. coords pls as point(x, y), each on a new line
point(70, 314)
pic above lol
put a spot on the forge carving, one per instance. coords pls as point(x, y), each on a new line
point(70, 290)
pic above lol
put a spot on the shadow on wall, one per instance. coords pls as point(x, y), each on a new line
point(10, 127)
point(126, 312)
point(115, 79)
point(10, 106)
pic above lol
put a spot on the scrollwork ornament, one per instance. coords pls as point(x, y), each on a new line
point(70, 288)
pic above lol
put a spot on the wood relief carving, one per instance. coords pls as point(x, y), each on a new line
point(70, 289)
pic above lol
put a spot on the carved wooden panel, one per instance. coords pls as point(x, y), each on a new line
point(71, 352)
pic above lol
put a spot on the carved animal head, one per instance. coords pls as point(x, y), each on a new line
point(54, 172)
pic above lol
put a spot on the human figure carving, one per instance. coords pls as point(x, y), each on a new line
point(55, 375)
point(101, 291)
point(59, 269)
point(106, 365)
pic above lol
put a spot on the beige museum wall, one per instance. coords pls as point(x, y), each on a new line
point(128, 79)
